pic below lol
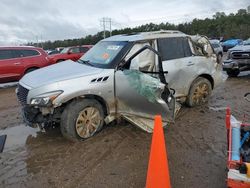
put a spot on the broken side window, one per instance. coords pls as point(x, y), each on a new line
point(145, 61)
point(174, 48)
point(202, 46)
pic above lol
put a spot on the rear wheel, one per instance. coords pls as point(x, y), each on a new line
point(199, 92)
point(233, 73)
point(81, 119)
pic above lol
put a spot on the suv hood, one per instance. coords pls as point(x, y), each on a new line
point(240, 48)
point(58, 72)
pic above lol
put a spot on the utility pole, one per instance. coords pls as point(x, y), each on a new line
point(110, 29)
point(104, 29)
point(106, 23)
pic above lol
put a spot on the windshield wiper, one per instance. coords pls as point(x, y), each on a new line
point(85, 62)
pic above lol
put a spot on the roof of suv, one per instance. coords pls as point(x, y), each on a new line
point(19, 47)
point(146, 35)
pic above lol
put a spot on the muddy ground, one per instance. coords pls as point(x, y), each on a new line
point(118, 155)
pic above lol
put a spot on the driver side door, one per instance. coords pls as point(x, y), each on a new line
point(141, 94)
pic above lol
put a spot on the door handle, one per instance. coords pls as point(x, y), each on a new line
point(18, 63)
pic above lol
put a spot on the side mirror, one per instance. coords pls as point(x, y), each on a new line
point(122, 65)
point(69, 52)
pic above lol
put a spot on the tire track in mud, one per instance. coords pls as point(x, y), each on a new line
point(88, 155)
point(125, 135)
point(13, 167)
point(195, 138)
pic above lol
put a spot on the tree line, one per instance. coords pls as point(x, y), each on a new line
point(221, 25)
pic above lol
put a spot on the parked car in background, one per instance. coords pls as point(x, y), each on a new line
point(231, 43)
point(52, 52)
point(72, 53)
point(130, 76)
point(17, 61)
point(238, 59)
point(218, 49)
point(246, 42)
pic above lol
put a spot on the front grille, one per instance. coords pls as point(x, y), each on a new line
point(240, 55)
point(22, 94)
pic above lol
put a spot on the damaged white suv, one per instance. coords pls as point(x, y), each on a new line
point(125, 76)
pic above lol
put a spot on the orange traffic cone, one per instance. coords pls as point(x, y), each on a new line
point(158, 173)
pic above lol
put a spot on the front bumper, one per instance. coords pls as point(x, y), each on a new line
point(230, 65)
point(32, 115)
point(242, 65)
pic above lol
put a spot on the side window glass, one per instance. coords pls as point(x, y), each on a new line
point(5, 54)
point(214, 45)
point(74, 50)
point(145, 61)
point(174, 48)
point(16, 53)
point(84, 49)
point(28, 53)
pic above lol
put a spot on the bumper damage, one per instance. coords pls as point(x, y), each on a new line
point(241, 65)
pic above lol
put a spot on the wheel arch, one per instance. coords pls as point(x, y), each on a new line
point(59, 60)
point(28, 68)
point(208, 77)
point(91, 96)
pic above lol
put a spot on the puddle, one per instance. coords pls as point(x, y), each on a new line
point(17, 136)
point(217, 108)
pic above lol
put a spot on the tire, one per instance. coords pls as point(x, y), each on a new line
point(233, 73)
point(30, 70)
point(199, 92)
point(75, 123)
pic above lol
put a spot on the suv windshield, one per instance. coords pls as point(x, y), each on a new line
point(104, 52)
point(214, 45)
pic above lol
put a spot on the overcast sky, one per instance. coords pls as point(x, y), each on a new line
point(24, 21)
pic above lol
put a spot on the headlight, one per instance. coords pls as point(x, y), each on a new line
point(45, 99)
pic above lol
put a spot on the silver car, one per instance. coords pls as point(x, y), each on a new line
point(218, 49)
point(130, 76)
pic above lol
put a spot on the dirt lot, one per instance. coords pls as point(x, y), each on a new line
point(118, 155)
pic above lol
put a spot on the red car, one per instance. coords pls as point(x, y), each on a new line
point(17, 61)
point(73, 53)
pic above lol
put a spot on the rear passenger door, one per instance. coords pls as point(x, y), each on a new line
point(74, 53)
point(177, 59)
point(10, 65)
point(30, 58)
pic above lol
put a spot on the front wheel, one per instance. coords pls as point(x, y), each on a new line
point(81, 119)
point(199, 92)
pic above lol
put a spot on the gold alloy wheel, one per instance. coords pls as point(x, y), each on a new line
point(201, 93)
point(88, 121)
